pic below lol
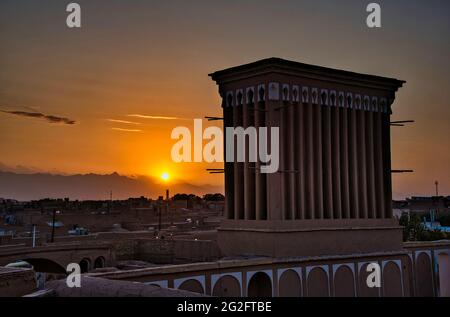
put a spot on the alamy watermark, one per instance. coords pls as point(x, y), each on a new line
point(236, 147)
point(74, 17)
point(374, 18)
point(374, 278)
point(73, 279)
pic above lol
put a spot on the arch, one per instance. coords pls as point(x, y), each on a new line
point(317, 283)
point(366, 103)
point(392, 280)
point(444, 274)
point(305, 94)
point(285, 92)
point(43, 265)
point(289, 284)
point(99, 262)
point(364, 290)
point(408, 277)
point(344, 282)
point(227, 286)
point(260, 285)
point(250, 96)
point(333, 98)
point(295, 93)
point(374, 104)
point(324, 97)
point(85, 265)
point(239, 98)
point(358, 102)
point(341, 99)
point(349, 100)
point(230, 99)
point(314, 96)
point(163, 284)
point(424, 275)
point(192, 285)
point(261, 93)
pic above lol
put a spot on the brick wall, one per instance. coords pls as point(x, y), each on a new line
point(163, 251)
point(16, 282)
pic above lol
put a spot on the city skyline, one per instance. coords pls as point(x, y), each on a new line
point(105, 98)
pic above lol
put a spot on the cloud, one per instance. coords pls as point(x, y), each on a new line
point(38, 115)
point(123, 121)
point(126, 130)
point(153, 117)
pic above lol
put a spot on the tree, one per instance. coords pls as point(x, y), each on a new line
point(191, 197)
point(414, 230)
point(413, 227)
point(214, 197)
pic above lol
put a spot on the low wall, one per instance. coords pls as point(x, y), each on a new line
point(162, 251)
point(97, 287)
point(420, 269)
point(16, 282)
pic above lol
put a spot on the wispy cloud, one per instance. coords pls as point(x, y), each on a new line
point(126, 130)
point(123, 121)
point(39, 115)
point(153, 117)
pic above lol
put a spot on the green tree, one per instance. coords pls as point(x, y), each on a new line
point(214, 197)
point(413, 228)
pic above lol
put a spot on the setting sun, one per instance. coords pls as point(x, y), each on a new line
point(165, 176)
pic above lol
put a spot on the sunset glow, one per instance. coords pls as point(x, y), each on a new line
point(165, 176)
point(105, 98)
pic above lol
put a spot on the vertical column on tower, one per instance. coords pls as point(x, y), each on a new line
point(294, 199)
point(229, 166)
point(344, 157)
point(308, 122)
point(335, 157)
point(260, 178)
point(362, 170)
point(318, 166)
point(326, 158)
point(370, 159)
point(250, 137)
point(238, 168)
point(353, 157)
point(299, 149)
point(387, 159)
point(276, 203)
point(379, 169)
point(284, 184)
point(290, 152)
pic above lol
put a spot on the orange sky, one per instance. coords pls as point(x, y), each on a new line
point(152, 58)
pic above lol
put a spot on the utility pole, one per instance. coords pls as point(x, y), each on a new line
point(159, 218)
point(53, 226)
point(34, 236)
point(110, 202)
point(436, 201)
point(168, 213)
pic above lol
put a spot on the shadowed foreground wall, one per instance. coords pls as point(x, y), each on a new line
point(16, 282)
point(419, 269)
point(97, 287)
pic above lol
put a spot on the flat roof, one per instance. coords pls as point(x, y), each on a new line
point(274, 64)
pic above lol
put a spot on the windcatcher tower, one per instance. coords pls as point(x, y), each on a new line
point(332, 194)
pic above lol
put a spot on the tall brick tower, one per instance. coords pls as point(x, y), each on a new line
point(332, 193)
